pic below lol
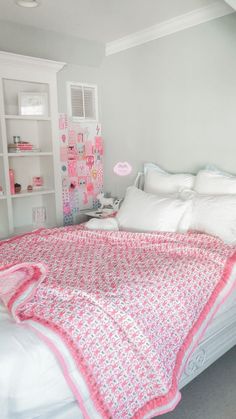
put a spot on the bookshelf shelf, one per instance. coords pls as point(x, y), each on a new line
point(27, 194)
point(27, 118)
point(30, 154)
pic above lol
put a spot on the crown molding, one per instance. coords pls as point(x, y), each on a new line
point(8, 58)
point(232, 3)
point(168, 27)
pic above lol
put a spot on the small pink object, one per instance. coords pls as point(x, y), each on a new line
point(98, 142)
point(122, 168)
point(12, 181)
point(88, 148)
point(72, 168)
point(37, 181)
point(90, 161)
point(90, 189)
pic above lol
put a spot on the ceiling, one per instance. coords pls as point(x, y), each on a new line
point(99, 20)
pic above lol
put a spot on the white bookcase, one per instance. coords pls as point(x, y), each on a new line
point(29, 75)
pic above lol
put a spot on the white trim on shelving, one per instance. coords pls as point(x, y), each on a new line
point(168, 27)
point(16, 59)
point(28, 117)
point(23, 194)
point(30, 154)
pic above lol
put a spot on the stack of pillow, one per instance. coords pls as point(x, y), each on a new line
point(182, 202)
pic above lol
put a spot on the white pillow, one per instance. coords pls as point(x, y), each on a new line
point(158, 181)
point(215, 215)
point(145, 212)
point(215, 182)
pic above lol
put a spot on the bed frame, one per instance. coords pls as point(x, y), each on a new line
point(219, 338)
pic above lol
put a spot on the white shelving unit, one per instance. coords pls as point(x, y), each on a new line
point(27, 74)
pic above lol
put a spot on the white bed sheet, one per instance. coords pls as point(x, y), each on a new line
point(30, 377)
point(32, 384)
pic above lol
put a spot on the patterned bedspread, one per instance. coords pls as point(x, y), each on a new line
point(126, 305)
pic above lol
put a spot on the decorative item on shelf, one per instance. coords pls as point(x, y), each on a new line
point(30, 188)
point(38, 182)
point(33, 103)
point(39, 216)
point(1, 190)
point(16, 139)
point(12, 181)
point(22, 147)
point(17, 187)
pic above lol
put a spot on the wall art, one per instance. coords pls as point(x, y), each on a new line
point(81, 156)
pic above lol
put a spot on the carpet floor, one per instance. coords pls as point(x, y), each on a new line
point(212, 395)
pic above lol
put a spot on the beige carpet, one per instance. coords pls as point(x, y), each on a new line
point(212, 395)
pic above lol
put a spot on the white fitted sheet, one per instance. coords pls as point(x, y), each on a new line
point(32, 384)
point(30, 376)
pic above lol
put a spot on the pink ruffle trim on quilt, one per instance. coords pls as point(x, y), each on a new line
point(172, 392)
point(17, 279)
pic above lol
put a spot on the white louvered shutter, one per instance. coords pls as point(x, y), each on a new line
point(77, 106)
point(83, 101)
point(89, 103)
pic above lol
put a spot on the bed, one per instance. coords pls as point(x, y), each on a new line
point(114, 323)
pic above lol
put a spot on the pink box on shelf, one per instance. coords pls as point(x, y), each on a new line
point(37, 181)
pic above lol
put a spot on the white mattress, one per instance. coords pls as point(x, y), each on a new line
point(31, 381)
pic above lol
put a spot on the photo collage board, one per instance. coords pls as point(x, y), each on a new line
point(81, 157)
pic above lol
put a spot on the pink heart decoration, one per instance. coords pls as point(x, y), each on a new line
point(122, 168)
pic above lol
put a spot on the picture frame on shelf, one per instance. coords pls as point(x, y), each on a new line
point(33, 103)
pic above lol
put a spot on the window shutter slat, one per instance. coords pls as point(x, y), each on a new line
point(89, 103)
point(83, 101)
point(77, 105)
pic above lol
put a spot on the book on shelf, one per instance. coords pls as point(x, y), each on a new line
point(37, 150)
point(22, 148)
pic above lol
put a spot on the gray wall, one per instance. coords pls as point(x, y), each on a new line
point(26, 40)
point(83, 57)
point(172, 101)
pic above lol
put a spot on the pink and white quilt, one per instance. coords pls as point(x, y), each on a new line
point(127, 306)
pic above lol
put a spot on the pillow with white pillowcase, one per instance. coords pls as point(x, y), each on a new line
point(156, 180)
point(215, 182)
point(215, 215)
point(141, 211)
